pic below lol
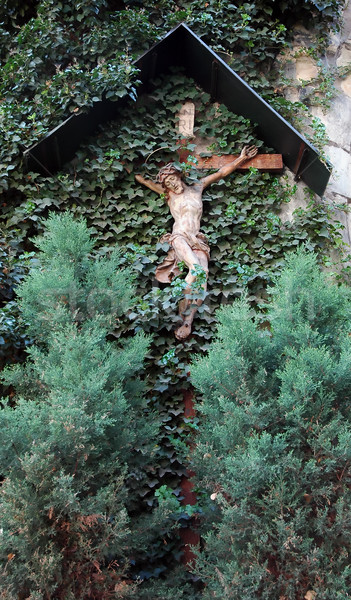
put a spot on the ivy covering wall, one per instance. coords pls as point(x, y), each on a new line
point(59, 58)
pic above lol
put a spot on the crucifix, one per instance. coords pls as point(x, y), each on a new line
point(187, 243)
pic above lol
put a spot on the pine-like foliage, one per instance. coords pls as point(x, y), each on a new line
point(274, 447)
point(74, 430)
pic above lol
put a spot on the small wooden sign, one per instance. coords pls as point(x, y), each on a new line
point(186, 117)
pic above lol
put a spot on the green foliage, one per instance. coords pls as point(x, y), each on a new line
point(60, 58)
point(74, 432)
point(273, 447)
point(69, 286)
point(243, 209)
point(179, 582)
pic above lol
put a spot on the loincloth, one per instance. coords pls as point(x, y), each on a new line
point(168, 269)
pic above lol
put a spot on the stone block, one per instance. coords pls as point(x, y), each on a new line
point(306, 68)
point(334, 44)
point(344, 57)
point(341, 216)
point(346, 86)
point(337, 121)
point(298, 200)
point(340, 180)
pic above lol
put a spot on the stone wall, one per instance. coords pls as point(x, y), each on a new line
point(303, 69)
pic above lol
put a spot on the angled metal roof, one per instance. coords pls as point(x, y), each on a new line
point(181, 47)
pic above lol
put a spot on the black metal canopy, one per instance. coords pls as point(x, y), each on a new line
point(182, 48)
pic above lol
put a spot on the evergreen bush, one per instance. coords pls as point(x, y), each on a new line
point(274, 447)
point(75, 430)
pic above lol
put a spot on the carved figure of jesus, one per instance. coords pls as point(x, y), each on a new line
point(187, 243)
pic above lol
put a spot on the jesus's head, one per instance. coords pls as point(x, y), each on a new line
point(170, 177)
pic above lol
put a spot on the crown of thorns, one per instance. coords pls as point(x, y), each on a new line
point(169, 169)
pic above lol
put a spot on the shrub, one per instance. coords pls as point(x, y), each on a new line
point(274, 446)
point(75, 428)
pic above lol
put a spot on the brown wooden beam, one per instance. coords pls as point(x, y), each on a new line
point(273, 163)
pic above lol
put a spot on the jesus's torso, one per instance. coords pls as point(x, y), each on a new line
point(186, 209)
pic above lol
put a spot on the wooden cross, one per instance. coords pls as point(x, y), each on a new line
point(272, 163)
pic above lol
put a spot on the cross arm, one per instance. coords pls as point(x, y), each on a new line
point(269, 163)
point(246, 154)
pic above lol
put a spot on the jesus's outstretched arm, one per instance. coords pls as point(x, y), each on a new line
point(155, 187)
point(246, 153)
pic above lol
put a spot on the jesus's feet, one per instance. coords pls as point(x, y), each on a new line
point(183, 331)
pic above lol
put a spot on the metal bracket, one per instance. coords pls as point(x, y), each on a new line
point(303, 151)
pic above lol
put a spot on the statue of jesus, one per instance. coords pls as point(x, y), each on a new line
point(187, 243)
